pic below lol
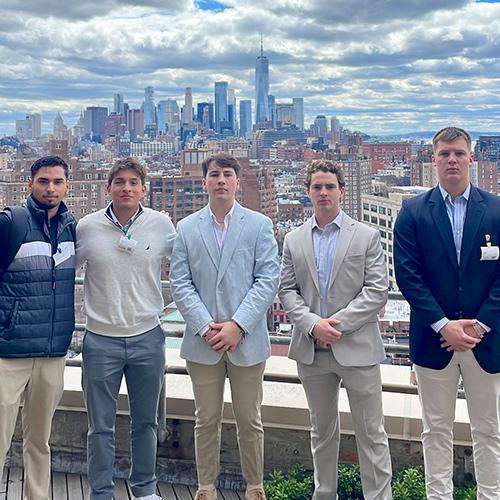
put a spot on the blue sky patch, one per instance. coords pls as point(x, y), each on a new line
point(211, 5)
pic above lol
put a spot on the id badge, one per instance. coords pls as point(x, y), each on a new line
point(490, 253)
point(127, 245)
point(61, 255)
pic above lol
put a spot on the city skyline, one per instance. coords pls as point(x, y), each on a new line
point(377, 67)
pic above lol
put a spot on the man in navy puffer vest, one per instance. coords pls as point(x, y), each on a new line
point(37, 320)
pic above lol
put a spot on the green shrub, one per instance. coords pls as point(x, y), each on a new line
point(296, 484)
point(349, 484)
point(409, 484)
point(465, 494)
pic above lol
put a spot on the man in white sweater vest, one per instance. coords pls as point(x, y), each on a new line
point(122, 246)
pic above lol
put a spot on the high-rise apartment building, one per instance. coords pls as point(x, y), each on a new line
point(221, 118)
point(246, 119)
point(30, 128)
point(261, 87)
point(298, 112)
point(484, 175)
point(358, 180)
point(381, 212)
point(488, 148)
point(135, 122)
point(149, 106)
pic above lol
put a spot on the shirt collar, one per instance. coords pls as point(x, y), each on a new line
point(337, 222)
point(445, 193)
point(226, 218)
point(111, 214)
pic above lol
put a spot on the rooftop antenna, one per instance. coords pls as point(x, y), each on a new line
point(261, 45)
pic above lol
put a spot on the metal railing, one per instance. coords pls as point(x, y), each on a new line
point(390, 348)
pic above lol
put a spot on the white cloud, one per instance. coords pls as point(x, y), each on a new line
point(379, 64)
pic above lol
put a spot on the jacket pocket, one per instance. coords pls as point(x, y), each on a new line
point(11, 323)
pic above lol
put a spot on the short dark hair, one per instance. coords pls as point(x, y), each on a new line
point(223, 160)
point(448, 134)
point(49, 161)
point(324, 166)
point(128, 163)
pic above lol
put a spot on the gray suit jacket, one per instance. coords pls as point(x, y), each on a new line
point(357, 292)
point(240, 282)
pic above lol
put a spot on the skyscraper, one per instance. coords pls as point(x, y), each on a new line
point(298, 112)
point(246, 119)
point(187, 112)
point(273, 117)
point(205, 114)
point(93, 121)
point(59, 127)
point(261, 86)
point(231, 110)
point(149, 106)
point(320, 126)
point(220, 104)
point(118, 104)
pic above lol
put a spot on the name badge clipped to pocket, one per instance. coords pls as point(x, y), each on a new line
point(62, 254)
point(127, 245)
point(489, 252)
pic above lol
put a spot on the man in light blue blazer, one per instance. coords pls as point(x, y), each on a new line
point(224, 276)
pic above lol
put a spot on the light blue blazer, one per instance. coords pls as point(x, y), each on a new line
point(238, 283)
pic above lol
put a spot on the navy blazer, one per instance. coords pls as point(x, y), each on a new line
point(428, 274)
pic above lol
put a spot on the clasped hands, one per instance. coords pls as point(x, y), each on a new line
point(223, 336)
point(460, 336)
point(325, 333)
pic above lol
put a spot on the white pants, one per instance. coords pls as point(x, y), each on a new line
point(438, 393)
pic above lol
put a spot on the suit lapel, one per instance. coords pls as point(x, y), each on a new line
point(308, 251)
point(473, 218)
point(205, 225)
point(343, 241)
point(443, 225)
point(234, 230)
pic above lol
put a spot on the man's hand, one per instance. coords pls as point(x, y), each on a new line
point(324, 332)
point(476, 331)
point(454, 336)
point(224, 336)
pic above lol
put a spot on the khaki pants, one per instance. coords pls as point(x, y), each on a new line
point(438, 396)
point(246, 394)
point(38, 383)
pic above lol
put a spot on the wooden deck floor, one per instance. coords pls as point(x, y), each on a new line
point(75, 487)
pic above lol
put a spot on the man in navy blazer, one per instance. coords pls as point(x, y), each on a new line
point(447, 267)
point(224, 276)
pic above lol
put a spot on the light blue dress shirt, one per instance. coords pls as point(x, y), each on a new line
point(456, 210)
point(324, 244)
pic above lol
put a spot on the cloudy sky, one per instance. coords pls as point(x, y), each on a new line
point(381, 66)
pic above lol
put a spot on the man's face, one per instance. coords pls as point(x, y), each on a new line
point(126, 190)
point(325, 194)
point(221, 184)
point(452, 160)
point(49, 186)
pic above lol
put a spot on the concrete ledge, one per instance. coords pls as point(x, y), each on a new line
point(286, 419)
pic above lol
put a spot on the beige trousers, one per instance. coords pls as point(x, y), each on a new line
point(246, 394)
point(38, 384)
point(438, 395)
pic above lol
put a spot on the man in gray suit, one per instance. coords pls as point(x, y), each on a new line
point(333, 283)
point(223, 274)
